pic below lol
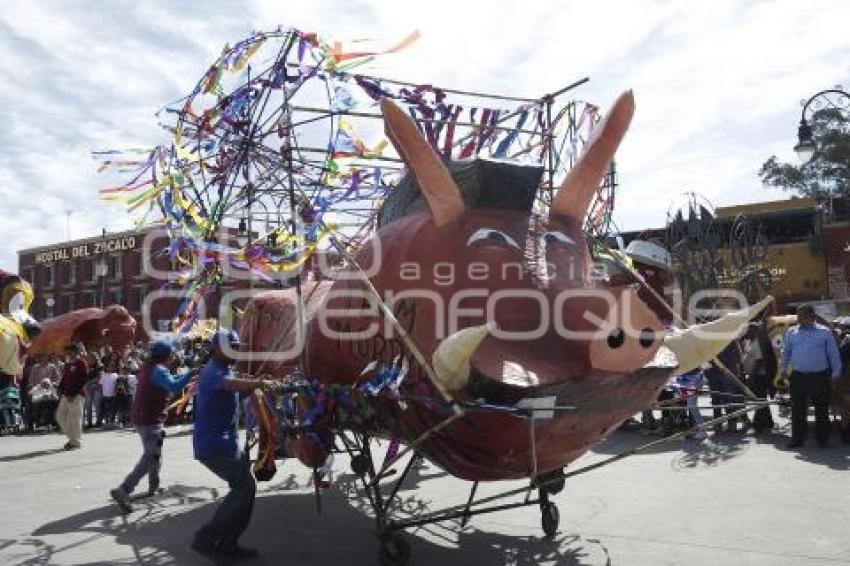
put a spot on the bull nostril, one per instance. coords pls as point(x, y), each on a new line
point(616, 338)
point(647, 337)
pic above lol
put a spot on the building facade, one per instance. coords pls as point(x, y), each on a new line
point(90, 272)
point(123, 268)
point(805, 249)
point(129, 268)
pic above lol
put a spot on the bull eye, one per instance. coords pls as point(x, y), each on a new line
point(647, 337)
point(16, 303)
point(492, 236)
point(616, 338)
point(553, 237)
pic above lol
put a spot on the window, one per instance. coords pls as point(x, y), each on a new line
point(70, 301)
point(135, 299)
point(48, 275)
point(26, 273)
point(135, 264)
point(116, 265)
point(71, 273)
point(141, 293)
point(86, 271)
point(89, 299)
point(114, 297)
point(49, 302)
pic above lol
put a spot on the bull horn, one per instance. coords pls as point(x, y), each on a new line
point(577, 190)
point(451, 358)
point(432, 176)
point(703, 342)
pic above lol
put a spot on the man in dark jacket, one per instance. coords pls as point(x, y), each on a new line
point(153, 395)
point(69, 415)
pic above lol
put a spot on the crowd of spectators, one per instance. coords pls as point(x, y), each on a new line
point(108, 390)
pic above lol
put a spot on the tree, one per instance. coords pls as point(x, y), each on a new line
point(827, 174)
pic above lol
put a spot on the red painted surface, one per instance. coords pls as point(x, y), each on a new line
point(93, 327)
point(602, 384)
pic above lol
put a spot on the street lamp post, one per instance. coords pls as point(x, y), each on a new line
point(836, 98)
point(832, 98)
point(102, 269)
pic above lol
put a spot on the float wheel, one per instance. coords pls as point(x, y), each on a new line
point(550, 518)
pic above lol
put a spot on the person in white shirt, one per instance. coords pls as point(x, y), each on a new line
point(108, 378)
point(132, 380)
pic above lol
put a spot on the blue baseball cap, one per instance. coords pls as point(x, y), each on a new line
point(226, 337)
point(161, 349)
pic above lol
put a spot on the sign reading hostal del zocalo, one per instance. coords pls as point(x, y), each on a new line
point(88, 249)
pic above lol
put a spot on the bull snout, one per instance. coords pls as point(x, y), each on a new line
point(627, 337)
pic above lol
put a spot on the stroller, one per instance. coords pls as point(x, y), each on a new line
point(44, 399)
point(11, 414)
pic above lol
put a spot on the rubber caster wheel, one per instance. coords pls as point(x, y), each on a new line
point(360, 465)
point(550, 518)
point(395, 550)
point(554, 482)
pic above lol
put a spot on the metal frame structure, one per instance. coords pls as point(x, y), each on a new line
point(381, 494)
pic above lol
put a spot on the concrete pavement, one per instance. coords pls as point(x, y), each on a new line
point(733, 499)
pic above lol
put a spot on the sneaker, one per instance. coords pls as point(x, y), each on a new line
point(122, 498)
point(71, 446)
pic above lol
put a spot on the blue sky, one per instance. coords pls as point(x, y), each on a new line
point(717, 84)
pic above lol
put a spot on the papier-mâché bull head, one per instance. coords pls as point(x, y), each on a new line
point(505, 307)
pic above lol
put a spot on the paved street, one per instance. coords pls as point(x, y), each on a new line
point(733, 500)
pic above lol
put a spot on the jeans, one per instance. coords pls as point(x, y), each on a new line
point(108, 405)
point(93, 405)
point(150, 462)
point(122, 404)
point(693, 408)
point(723, 391)
point(233, 514)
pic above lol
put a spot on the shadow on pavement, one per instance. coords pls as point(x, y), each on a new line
point(287, 530)
point(714, 450)
point(30, 455)
point(836, 456)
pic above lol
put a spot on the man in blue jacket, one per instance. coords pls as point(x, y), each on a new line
point(216, 447)
point(155, 386)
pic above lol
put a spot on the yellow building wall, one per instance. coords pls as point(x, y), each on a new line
point(797, 270)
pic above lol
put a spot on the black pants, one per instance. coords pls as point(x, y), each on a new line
point(817, 388)
point(760, 386)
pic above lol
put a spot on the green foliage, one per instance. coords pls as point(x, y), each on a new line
point(828, 172)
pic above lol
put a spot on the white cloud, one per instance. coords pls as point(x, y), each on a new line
point(717, 83)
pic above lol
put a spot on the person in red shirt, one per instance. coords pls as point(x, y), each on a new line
point(150, 407)
point(69, 415)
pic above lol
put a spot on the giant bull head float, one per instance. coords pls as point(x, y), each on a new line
point(505, 306)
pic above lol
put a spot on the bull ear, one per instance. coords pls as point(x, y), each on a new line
point(575, 194)
point(431, 174)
